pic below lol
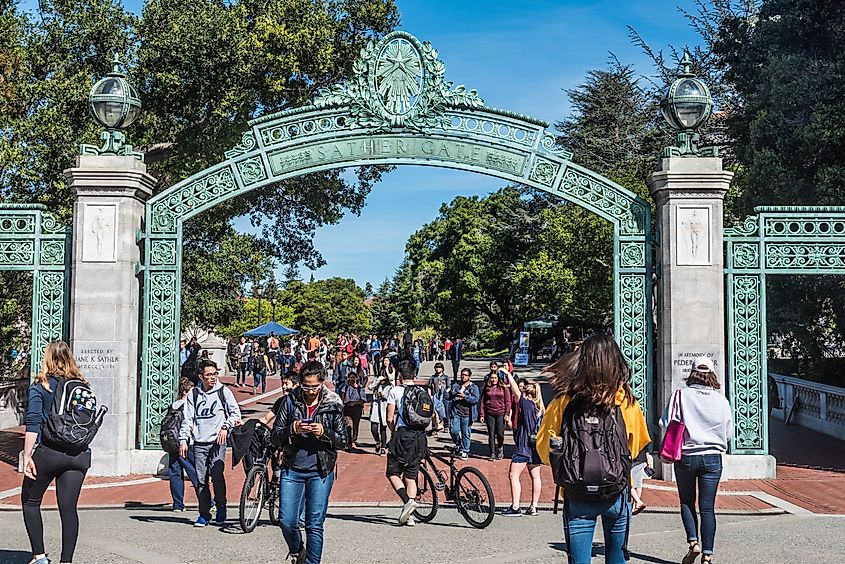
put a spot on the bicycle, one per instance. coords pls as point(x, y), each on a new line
point(257, 487)
point(467, 487)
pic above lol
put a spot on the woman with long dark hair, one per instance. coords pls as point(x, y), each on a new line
point(593, 399)
point(495, 408)
point(380, 387)
point(42, 464)
point(706, 415)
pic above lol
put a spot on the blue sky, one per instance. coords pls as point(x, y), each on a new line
point(520, 56)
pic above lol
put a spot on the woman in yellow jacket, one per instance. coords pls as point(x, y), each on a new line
point(594, 379)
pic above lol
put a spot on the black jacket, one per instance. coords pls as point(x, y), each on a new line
point(329, 414)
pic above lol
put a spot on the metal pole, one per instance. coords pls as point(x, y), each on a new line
point(259, 310)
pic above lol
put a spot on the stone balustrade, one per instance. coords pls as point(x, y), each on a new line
point(810, 404)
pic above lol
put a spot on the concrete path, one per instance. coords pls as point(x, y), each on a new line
point(363, 536)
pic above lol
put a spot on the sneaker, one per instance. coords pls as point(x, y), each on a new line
point(178, 509)
point(410, 522)
point(293, 558)
point(512, 512)
point(302, 554)
point(464, 456)
point(407, 509)
point(220, 517)
point(201, 521)
point(532, 511)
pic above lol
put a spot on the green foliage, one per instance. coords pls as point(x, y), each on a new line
point(247, 317)
point(15, 315)
point(203, 68)
point(327, 307)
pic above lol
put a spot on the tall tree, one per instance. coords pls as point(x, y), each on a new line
point(203, 68)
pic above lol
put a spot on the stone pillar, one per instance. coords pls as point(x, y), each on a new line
point(689, 193)
point(105, 297)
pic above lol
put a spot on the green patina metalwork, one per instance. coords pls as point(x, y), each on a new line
point(397, 108)
point(686, 106)
point(32, 239)
point(778, 240)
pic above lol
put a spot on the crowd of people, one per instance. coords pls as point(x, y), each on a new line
point(593, 435)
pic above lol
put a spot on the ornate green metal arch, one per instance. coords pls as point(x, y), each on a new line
point(778, 240)
point(396, 109)
point(32, 239)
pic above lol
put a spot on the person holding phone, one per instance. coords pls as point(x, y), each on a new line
point(309, 429)
point(463, 397)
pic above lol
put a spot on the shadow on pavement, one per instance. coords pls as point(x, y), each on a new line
point(598, 550)
point(12, 556)
point(384, 520)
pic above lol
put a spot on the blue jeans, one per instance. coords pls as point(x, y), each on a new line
point(706, 470)
point(579, 526)
point(177, 483)
point(260, 377)
point(461, 429)
point(308, 488)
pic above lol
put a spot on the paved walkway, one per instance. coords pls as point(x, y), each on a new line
point(370, 536)
point(811, 473)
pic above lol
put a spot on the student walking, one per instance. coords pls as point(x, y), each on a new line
point(260, 367)
point(244, 358)
point(438, 386)
point(309, 430)
point(43, 463)
point(409, 444)
point(594, 417)
point(210, 412)
point(525, 423)
point(353, 393)
point(378, 411)
point(495, 407)
point(706, 415)
point(180, 466)
point(463, 397)
point(457, 356)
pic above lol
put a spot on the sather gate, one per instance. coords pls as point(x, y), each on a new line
point(397, 108)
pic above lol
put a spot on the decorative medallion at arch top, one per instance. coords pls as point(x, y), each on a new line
point(398, 83)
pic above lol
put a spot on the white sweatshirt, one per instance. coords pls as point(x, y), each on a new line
point(707, 418)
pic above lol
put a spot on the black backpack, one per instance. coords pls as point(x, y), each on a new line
point(169, 431)
point(417, 407)
point(593, 462)
point(74, 417)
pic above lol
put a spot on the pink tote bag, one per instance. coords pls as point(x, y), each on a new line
point(673, 441)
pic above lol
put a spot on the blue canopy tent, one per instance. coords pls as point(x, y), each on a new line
point(272, 327)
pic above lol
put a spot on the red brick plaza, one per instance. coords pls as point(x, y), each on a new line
point(811, 475)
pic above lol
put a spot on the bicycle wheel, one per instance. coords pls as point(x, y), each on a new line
point(252, 497)
point(474, 497)
point(426, 497)
point(273, 503)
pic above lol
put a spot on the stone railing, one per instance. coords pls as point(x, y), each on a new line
point(13, 400)
point(812, 405)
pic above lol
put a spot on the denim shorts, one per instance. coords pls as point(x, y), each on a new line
point(521, 458)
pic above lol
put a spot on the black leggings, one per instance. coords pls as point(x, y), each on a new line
point(379, 432)
point(495, 431)
point(69, 472)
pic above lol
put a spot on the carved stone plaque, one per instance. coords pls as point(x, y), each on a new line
point(692, 236)
point(99, 235)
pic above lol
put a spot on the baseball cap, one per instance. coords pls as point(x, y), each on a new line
point(703, 364)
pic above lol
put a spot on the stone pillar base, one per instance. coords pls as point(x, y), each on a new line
point(734, 467)
point(749, 467)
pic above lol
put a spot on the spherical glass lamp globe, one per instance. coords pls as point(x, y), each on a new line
point(687, 104)
point(114, 103)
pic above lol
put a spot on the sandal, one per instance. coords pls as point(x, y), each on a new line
point(694, 552)
point(639, 509)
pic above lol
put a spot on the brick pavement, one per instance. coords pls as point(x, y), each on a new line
point(811, 474)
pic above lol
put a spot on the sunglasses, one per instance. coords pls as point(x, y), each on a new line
point(311, 388)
